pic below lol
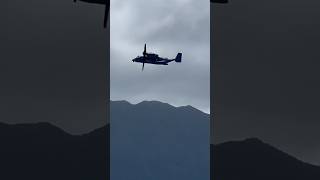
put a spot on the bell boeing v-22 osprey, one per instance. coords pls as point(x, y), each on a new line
point(154, 58)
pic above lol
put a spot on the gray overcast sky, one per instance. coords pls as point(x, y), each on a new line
point(168, 27)
point(53, 64)
point(266, 74)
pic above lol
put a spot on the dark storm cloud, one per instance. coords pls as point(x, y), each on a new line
point(266, 74)
point(168, 27)
point(53, 64)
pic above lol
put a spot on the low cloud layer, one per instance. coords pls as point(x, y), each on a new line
point(168, 27)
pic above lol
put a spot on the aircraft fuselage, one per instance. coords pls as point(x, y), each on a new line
point(152, 59)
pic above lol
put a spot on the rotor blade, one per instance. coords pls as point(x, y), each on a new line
point(145, 50)
point(142, 66)
point(106, 14)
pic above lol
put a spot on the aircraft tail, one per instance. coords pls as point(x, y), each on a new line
point(178, 57)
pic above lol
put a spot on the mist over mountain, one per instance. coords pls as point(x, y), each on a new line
point(154, 140)
point(252, 159)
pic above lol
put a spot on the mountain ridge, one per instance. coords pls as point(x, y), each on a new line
point(159, 140)
point(26, 149)
point(239, 148)
point(43, 151)
point(252, 158)
point(156, 103)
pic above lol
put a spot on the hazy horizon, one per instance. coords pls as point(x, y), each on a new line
point(167, 27)
point(153, 100)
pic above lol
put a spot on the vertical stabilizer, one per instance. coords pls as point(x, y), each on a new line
point(178, 58)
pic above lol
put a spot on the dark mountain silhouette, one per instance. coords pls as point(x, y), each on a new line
point(154, 140)
point(149, 139)
point(42, 151)
point(253, 159)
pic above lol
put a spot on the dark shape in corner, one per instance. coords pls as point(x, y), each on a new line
point(150, 58)
point(253, 159)
point(107, 6)
point(219, 1)
point(42, 151)
point(103, 2)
